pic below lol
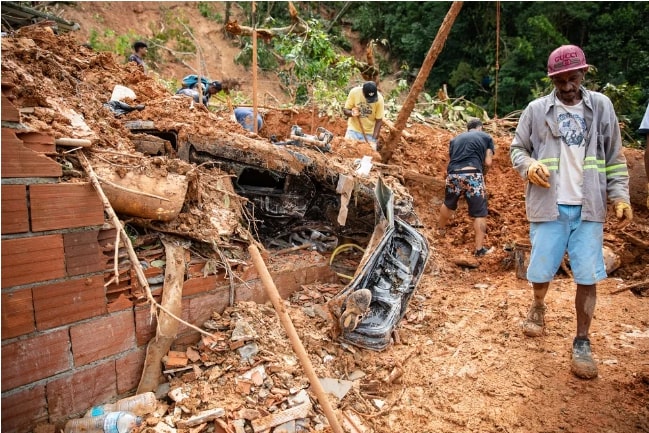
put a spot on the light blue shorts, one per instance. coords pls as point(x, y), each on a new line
point(582, 239)
point(354, 135)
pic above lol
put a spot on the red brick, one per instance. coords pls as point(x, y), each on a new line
point(9, 111)
point(21, 411)
point(69, 301)
point(35, 358)
point(30, 260)
point(197, 285)
point(122, 302)
point(37, 141)
point(129, 370)
point(64, 205)
point(15, 218)
point(82, 253)
point(201, 307)
point(79, 391)
point(145, 324)
point(102, 337)
point(19, 161)
point(17, 313)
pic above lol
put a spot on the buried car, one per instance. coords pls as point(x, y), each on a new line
point(298, 196)
point(372, 304)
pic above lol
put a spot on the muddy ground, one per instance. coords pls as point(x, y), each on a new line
point(467, 367)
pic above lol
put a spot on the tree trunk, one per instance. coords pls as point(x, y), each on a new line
point(420, 81)
point(167, 326)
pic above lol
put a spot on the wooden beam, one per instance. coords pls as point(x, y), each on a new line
point(420, 81)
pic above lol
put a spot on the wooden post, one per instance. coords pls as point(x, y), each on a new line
point(420, 81)
point(254, 66)
point(297, 345)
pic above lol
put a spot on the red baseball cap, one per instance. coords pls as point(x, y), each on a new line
point(566, 58)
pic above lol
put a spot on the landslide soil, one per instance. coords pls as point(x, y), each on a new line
point(468, 368)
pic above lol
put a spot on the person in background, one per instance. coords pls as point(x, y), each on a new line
point(644, 130)
point(212, 89)
point(243, 115)
point(139, 53)
point(364, 111)
point(471, 154)
point(568, 147)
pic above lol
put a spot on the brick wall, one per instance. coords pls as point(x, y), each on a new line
point(69, 340)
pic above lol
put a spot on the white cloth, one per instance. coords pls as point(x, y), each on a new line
point(573, 130)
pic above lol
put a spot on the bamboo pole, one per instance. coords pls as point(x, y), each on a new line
point(254, 66)
point(420, 81)
point(297, 345)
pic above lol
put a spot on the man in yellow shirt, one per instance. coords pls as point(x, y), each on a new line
point(364, 111)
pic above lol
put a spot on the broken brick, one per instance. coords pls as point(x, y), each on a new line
point(175, 359)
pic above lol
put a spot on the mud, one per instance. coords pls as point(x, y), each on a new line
point(466, 365)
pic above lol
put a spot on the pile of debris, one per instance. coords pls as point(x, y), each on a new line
point(174, 167)
point(246, 378)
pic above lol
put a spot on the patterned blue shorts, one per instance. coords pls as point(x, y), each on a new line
point(472, 187)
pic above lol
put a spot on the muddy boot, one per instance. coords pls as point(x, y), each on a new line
point(583, 365)
point(357, 304)
point(535, 321)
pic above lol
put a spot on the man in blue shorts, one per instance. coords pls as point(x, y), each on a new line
point(471, 154)
point(568, 147)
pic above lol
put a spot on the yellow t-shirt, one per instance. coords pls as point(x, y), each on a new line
point(370, 113)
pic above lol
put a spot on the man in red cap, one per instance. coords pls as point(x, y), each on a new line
point(364, 109)
point(569, 148)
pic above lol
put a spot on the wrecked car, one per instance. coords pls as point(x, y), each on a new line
point(294, 197)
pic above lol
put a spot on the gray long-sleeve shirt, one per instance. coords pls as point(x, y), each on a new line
point(605, 174)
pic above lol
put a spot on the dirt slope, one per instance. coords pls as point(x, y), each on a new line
point(467, 366)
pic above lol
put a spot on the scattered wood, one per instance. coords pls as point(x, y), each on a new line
point(73, 142)
point(298, 347)
point(636, 288)
point(201, 417)
point(167, 327)
point(267, 422)
point(635, 240)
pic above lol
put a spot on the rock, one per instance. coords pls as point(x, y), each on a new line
point(466, 262)
point(337, 387)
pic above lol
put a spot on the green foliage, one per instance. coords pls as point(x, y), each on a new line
point(314, 66)
point(205, 8)
point(613, 35)
point(174, 29)
point(266, 60)
point(110, 41)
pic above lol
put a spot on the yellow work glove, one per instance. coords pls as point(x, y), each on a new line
point(624, 213)
point(538, 174)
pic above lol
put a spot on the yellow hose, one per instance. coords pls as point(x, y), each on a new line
point(339, 249)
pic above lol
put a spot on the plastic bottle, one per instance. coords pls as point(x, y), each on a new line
point(112, 422)
point(140, 404)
